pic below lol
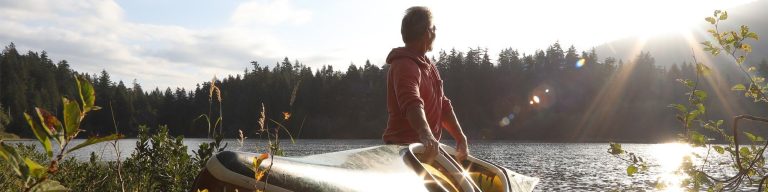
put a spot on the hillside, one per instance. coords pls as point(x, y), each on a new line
point(673, 48)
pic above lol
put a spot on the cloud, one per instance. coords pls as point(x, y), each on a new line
point(270, 12)
point(94, 35)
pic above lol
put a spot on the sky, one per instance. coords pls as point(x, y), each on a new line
point(180, 43)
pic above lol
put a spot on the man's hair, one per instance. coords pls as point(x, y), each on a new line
point(415, 22)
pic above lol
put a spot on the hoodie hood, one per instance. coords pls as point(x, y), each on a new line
point(402, 52)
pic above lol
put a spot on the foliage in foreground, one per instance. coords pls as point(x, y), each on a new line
point(159, 163)
point(748, 161)
point(49, 130)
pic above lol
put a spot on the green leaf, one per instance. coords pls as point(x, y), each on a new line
point(35, 169)
point(735, 39)
point(87, 94)
point(3, 153)
point(691, 116)
point(744, 151)
point(723, 16)
point(702, 69)
point(740, 60)
point(753, 137)
point(711, 20)
point(710, 126)
point(758, 79)
point(744, 31)
point(41, 135)
point(738, 87)
point(753, 89)
point(9, 154)
point(708, 44)
point(701, 108)
point(615, 149)
point(719, 149)
point(71, 117)
point(94, 140)
point(697, 139)
point(752, 35)
point(679, 107)
point(701, 95)
point(631, 170)
point(49, 186)
point(686, 82)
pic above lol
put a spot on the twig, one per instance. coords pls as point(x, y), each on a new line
point(116, 145)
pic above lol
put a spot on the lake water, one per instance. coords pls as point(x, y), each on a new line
point(560, 166)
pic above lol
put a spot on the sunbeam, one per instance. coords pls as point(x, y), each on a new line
point(604, 105)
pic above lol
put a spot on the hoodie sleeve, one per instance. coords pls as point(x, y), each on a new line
point(406, 77)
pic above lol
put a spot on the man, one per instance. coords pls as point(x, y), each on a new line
point(415, 101)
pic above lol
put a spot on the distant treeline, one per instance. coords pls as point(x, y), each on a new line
point(578, 97)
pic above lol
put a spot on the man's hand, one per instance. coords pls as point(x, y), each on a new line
point(451, 124)
point(431, 147)
point(462, 150)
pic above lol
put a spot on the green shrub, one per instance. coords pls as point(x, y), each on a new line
point(160, 162)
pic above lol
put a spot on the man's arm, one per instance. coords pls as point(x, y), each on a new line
point(418, 120)
point(407, 77)
point(451, 124)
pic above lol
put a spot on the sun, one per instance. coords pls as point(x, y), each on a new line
point(651, 18)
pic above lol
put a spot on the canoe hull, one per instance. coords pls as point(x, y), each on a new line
point(378, 168)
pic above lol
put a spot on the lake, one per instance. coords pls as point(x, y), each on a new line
point(560, 166)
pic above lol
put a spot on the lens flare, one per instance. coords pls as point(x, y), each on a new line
point(536, 99)
point(546, 91)
point(506, 120)
point(580, 63)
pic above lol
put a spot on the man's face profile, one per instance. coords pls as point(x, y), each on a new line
point(431, 37)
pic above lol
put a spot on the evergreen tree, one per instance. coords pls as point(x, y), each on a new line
point(4, 119)
point(327, 103)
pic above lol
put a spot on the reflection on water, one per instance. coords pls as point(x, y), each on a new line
point(560, 166)
point(669, 158)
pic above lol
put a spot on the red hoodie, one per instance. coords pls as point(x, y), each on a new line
point(412, 80)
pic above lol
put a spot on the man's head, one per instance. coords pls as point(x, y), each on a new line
point(417, 28)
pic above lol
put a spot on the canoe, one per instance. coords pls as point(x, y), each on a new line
point(378, 168)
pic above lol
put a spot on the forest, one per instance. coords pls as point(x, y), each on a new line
point(553, 94)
